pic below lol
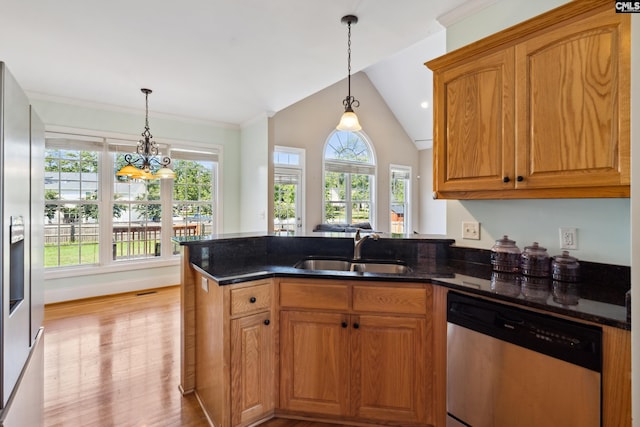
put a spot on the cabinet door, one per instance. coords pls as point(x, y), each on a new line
point(474, 124)
point(314, 355)
point(572, 107)
point(252, 370)
point(390, 369)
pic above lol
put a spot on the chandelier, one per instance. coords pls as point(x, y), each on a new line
point(140, 164)
point(349, 120)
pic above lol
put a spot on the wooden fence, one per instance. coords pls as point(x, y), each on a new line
point(128, 240)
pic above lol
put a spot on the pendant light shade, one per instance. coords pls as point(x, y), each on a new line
point(139, 164)
point(349, 121)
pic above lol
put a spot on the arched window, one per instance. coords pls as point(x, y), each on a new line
point(349, 179)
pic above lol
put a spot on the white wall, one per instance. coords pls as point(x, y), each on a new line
point(254, 176)
point(494, 18)
point(433, 212)
point(307, 124)
point(93, 281)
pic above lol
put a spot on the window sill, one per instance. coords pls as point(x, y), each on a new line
point(90, 270)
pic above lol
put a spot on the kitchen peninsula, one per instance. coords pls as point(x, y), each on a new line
point(262, 338)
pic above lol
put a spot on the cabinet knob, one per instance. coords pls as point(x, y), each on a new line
point(356, 325)
point(506, 179)
point(252, 300)
point(520, 178)
point(344, 324)
point(267, 322)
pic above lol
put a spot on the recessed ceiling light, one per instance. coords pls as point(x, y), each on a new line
point(424, 104)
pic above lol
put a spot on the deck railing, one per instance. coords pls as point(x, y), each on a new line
point(130, 240)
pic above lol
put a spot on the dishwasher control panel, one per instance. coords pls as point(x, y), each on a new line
point(567, 340)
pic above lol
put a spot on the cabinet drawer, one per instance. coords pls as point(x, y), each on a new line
point(390, 299)
point(320, 295)
point(246, 300)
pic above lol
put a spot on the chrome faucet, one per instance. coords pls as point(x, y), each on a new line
point(358, 241)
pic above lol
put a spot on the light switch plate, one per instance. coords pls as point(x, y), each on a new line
point(471, 230)
point(204, 284)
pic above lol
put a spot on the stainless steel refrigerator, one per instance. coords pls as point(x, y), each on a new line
point(21, 256)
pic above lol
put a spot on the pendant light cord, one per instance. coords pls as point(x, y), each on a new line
point(349, 59)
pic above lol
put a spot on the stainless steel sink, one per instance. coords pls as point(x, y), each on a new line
point(390, 267)
point(379, 267)
point(323, 264)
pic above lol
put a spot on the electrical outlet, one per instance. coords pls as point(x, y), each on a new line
point(471, 230)
point(568, 238)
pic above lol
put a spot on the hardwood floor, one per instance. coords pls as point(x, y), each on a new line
point(115, 361)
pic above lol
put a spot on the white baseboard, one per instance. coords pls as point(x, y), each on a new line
point(61, 294)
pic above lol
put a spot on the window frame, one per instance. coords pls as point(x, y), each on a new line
point(298, 170)
point(407, 202)
point(106, 190)
point(350, 168)
point(88, 144)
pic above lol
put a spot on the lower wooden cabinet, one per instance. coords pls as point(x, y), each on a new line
point(389, 377)
point(235, 337)
point(252, 370)
point(358, 366)
point(314, 362)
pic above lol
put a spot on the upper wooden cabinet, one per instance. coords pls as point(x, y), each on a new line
point(540, 110)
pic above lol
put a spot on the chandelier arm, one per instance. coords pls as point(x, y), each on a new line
point(147, 150)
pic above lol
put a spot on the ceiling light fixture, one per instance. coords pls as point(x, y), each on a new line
point(349, 120)
point(140, 164)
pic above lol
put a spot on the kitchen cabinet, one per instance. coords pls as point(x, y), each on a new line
point(358, 351)
point(540, 110)
point(235, 351)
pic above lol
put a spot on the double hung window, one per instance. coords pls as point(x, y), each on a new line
point(93, 217)
point(349, 179)
point(72, 196)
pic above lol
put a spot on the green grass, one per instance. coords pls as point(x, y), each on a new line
point(87, 253)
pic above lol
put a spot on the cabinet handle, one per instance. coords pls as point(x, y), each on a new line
point(344, 324)
point(356, 325)
point(267, 322)
point(520, 178)
point(506, 179)
point(252, 300)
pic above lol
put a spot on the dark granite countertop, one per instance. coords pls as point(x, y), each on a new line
point(552, 297)
point(231, 259)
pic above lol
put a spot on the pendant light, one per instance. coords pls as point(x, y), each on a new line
point(139, 164)
point(349, 120)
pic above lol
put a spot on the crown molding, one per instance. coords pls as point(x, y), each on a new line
point(120, 109)
point(459, 13)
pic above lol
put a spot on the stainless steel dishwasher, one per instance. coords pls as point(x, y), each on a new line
point(510, 367)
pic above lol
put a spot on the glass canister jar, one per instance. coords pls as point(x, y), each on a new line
point(534, 261)
point(565, 268)
point(505, 256)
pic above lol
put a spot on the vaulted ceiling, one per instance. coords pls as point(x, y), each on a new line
point(225, 61)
